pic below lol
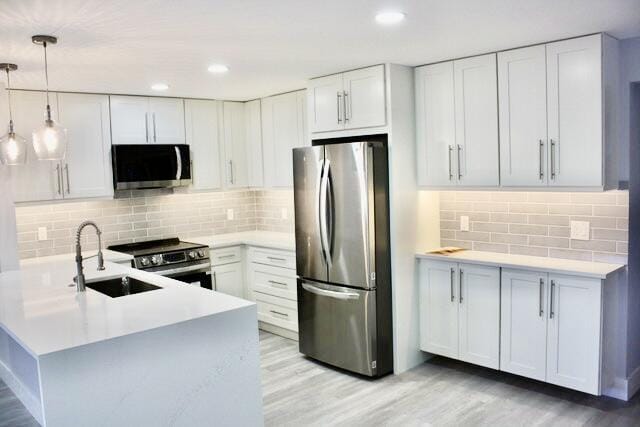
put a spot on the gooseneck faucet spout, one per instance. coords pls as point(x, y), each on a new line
point(79, 279)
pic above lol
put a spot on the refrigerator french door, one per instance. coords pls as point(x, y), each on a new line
point(342, 255)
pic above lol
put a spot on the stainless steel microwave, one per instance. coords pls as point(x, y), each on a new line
point(150, 166)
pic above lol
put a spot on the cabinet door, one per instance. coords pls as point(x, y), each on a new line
point(439, 308)
point(573, 336)
point(523, 335)
point(235, 149)
point(283, 129)
point(325, 103)
point(364, 98)
point(479, 315)
point(130, 121)
point(574, 91)
point(167, 120)
point(228, 279)
point(37, 179)
point(435, 125)
point(522, 89)
point(476, 104)
point(203, 136)
point(87, 165)
point(253, 135)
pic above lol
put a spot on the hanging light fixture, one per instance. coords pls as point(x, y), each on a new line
point(13, 147)
point(49, 141)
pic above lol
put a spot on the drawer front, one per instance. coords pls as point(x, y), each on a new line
point(277, 311)
point(225, 255)
point(272, 257)
point(275, 281)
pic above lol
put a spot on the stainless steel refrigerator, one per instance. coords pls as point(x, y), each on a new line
point(342, 254)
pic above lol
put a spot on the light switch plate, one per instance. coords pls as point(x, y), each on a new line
point(284, 213)
point(229, 214)
point(42, 233)
point(580, 230)
point(464, 223)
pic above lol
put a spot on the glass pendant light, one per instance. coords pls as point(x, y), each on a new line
point(49, 141)
point(13, 147)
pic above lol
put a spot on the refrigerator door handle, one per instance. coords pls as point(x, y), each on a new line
point(330, 294)
point(324, 233)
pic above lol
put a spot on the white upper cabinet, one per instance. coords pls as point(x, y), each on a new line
point(283, 129)
point(203, 133)
point(476, 106)
point(575, 111)
point(37, 179)
point(350, 100)
point(167, 120)
point(457, 123)
point(436, 126)
point(235, 145)
point(86, 169)
point(253, 136)
point(522, 89)
point(140, 120)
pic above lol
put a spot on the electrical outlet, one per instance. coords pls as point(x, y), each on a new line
point(464, 223)
point(42, 233)
point(284, 213)
point(229, 214)
point(580, 230)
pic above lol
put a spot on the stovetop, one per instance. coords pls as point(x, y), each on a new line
point(152, 247)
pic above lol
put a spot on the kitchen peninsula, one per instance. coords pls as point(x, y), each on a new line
point(177, 355)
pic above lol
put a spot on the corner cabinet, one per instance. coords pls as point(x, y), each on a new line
point(141, 120)
point(351, 100)
point(235, 146)
point(457, 123)
point(203, 121)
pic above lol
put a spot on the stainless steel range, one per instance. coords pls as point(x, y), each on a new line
point(183, 261)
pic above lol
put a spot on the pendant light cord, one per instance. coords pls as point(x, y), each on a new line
point(9, 99)
point(46, 76)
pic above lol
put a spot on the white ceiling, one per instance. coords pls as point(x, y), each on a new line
point(272, 46)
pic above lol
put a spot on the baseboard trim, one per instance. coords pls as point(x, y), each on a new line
point(278, 330)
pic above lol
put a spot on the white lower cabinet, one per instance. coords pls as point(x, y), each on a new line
point(460, 311)
point(551, 328)
point(227, 272)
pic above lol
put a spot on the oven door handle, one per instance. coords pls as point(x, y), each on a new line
point(204, 268)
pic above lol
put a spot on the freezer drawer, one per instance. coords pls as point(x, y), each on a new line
point(338, 325)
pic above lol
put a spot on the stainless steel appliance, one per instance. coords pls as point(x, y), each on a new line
point(150, 166)
point(342, 254)
point(183, 261)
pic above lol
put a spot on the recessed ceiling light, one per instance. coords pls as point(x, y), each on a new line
point(160, 86)
point(389, 17)
point(218, 68)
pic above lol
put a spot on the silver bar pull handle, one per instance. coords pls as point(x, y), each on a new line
point(459, 168)
point(541, 159)
point(58, 178)
point(279, 314)
point(551, 313)
point(277, 284)
point(339, 101)
point(347, 107)
point(231, 171)
point(66, 171)
point(450, 155)
point(452, 273)
point(553, 159)
point(540, 298)
point(154, 127)
point(215, 281)
point(146, 127)
point(460, 287)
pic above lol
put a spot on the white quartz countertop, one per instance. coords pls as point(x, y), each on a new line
point(269, 239)
point(108, 255)
point(598, 270)
point(44, 314)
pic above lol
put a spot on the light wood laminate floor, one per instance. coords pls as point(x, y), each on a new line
point(441, 392)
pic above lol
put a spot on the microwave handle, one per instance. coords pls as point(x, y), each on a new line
point(179, 163)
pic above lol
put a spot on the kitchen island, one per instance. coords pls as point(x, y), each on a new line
point(178, 355)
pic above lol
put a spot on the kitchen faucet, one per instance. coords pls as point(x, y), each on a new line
point(79, 279)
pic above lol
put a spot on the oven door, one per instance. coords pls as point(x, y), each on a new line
point(197, 275)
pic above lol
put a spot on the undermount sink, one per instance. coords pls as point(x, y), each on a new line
point(121, 286)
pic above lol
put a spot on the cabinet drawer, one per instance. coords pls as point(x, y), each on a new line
point(274, 281)
point(225, 255)
point(277, 311)
point(273, 257)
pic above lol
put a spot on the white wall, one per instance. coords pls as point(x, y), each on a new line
point(8, 233)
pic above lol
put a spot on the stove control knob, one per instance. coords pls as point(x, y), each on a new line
point(201, 253)
point(144, 261)
point(192, 255)
point(156, 259)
